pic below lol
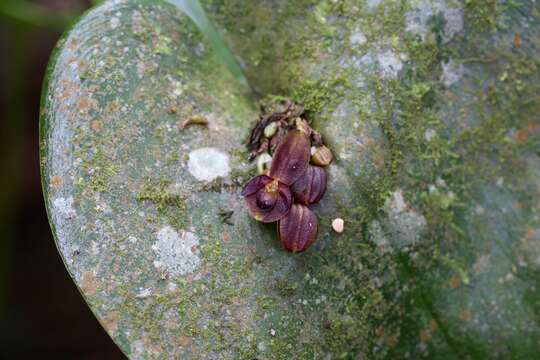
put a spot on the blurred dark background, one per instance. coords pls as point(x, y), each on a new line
point(42, 314)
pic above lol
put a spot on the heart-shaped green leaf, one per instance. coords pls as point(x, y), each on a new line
point(430, 109)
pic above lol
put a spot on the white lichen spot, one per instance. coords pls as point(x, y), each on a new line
point(429, 134)
point(452, 72)
point(114, 22)
point(389, 63)
point(144, 293)
point(357, 38)
point(65, 207)
point(94, 247)
point(397, 203)
point(418, 18)
point(401, 228)
point(176, 89)
point(207, 164)
point(172, 287)
point(372, 4)
point(177, 254)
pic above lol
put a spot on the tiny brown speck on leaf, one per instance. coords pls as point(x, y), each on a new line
point(184, 340)
point(56, 182)
point(113, 106)
point(516, 40)
point(97, 125)
point(522, 135)
point(110, 321)
point(88, 283)
point(455, 282)
point(530, 233)
point(85, 104)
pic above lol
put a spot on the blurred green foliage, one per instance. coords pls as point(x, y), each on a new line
point(26, 13)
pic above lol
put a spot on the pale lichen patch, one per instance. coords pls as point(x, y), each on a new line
point(429, 134)
point(207, 164)
point(452, 72)
point(357, 38)
point(177, 254)
point(401, 228)
point(419, 18)
point(389, 63)
point(65, 207)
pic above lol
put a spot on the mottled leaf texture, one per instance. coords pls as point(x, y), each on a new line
point(298, 230)
point(311, 186)
point(291, 157)
point(270, 202)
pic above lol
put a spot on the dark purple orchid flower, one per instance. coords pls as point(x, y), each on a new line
point(311, 186)
point(298, 230)
point(291, 157)
point(267, 199)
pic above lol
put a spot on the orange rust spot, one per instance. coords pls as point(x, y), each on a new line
point(378, 161)
point(184, 340)
point(516, 40)
point(97, 125)
point(85, 103)
point(68, 88)
point(226, 236)
point(113, 106)
point(88, 283)
point(110, 321)
point(56, 181)
point(522, 135)
point(434, 325)
point(455, 282)
point(530, 233)
point(72, 46)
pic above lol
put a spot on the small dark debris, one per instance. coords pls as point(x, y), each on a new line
point(226, 216)
point(327, 324)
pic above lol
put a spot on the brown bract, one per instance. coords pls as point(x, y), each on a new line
point(298, 230)
point(311, 186)
point(322, 156)
point(267, 199)
point(291, 157)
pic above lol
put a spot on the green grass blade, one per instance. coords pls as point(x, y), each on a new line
point(194, 10)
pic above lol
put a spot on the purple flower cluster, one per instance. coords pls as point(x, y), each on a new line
point(284, 192)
